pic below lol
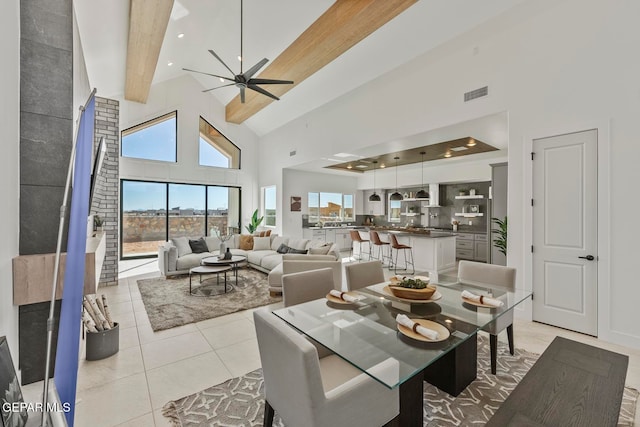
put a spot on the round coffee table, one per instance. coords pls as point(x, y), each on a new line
point(210, 269)
point(233, 263)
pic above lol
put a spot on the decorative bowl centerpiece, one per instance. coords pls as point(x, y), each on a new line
point(412, 287)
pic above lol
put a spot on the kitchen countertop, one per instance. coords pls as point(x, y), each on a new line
point(415, 231)
point(337, 227)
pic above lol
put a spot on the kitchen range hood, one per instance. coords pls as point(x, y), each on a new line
point(434, 196)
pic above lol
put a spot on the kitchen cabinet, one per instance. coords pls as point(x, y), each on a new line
point(343, 239)
point(472, 246)
point(340, 236)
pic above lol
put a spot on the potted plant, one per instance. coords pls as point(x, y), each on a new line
point(98, 223)
point(255, 222)
point(501, 241)
point(462, 191)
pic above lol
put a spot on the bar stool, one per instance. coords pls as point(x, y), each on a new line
point(375, 239)
point(398, 246)
point(356, 237)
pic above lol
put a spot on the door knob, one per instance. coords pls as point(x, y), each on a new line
point(588, 257)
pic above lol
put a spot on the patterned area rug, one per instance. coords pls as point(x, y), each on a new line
point(169, 304)
point(238, 402)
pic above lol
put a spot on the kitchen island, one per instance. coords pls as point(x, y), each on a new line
point(433, 251)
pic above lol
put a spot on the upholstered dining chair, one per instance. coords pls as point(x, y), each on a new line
point(495, 276)
point(306, 286)
point(310, 391)
point(381, 245)
point(357, 238)
point(363, 274)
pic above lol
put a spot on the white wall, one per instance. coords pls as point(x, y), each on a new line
point(555, 66)
point(184, 94)
point(300, 183)
point(9, 166)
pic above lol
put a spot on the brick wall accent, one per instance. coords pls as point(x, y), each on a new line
point(107, 193)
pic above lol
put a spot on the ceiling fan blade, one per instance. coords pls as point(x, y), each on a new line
point(262, 91)
point(222, 62)
point(251, 71)
point(269, 82)
point(242, 94)
point(218, 87)
point(209, 74)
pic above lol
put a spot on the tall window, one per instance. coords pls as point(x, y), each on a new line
point(154, 212)
point(269, 208)
point(331, 207)
point(215, 149)
point(152, 140)
point(394, 209)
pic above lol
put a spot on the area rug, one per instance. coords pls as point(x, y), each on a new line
point(238, 402)
point(169, 303)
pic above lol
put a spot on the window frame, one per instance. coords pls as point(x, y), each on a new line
point(217, 147)
point(147, 124)
point(343, 217)
point(264, 206)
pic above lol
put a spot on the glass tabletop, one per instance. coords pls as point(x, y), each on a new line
point(366, 334)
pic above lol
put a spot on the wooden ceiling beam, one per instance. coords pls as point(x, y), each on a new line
point(148, 20)
point(343, 25)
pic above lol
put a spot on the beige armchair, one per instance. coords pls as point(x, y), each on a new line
point(495, 276)
point(308, 391)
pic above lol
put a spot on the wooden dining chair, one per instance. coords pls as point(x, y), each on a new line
point(363, 274)
point(306, 390)
point(306, 286)
point(492, 276)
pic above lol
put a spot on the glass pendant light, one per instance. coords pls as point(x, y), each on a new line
point(374, 197)
point(396, 195)
point(422, 194)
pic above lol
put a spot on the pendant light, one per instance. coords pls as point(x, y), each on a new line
point(422, 194)
point(374, 197)
point(396, 196)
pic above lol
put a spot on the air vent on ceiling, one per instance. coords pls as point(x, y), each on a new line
point(478, 93)
point(292, 153)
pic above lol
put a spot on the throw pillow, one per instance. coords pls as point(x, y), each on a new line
point(246, 242)
point(283, 249)
point(182, 244)
point(297, 251)
point(322, 250)
point(262, 233)
point(198, 246)
point(298, 243)
point(277, 241)
point(261, 243)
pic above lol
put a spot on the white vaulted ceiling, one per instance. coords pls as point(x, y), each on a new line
point(270, 26)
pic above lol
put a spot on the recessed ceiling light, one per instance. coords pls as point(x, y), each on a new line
point(447, 154)
point(459, 148)
point(362, 166)
point(169, 63)
point(181, 35)
point(349, 167)
point(382, 166)
point(344, 155)
point(471, 143)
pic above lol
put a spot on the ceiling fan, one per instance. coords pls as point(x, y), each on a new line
point(244, 80)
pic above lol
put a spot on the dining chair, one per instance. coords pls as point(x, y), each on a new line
point(307, 390)
point(397, 246)
point(357, 238)
point(494, 276)
point(306, 286)
point(363, 274)
point(381, 245)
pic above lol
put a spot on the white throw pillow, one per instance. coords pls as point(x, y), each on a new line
point(321, 250)
point(298, 243)
point(213, 243)
point(182, 244)
point(277, 241)
point(232, 243)
point(261, 243)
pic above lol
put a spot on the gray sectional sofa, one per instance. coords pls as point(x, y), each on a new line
point(176, 256)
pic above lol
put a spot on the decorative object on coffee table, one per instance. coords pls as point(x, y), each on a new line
point(223, 239)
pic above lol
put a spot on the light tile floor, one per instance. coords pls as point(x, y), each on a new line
point(152, 368)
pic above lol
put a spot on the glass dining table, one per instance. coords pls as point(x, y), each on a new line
point(366, 335)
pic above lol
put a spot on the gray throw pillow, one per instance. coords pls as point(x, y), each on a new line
point(182, 244)
point(198, 246)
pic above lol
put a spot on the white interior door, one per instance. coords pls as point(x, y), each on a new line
point(565, 275)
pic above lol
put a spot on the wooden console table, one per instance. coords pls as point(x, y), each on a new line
point(33, 274)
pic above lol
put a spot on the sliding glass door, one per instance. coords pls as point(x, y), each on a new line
point(154, 212)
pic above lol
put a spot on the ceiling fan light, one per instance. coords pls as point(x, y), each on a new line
point(374, 197)
point(422, 194)
point(396, 196)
